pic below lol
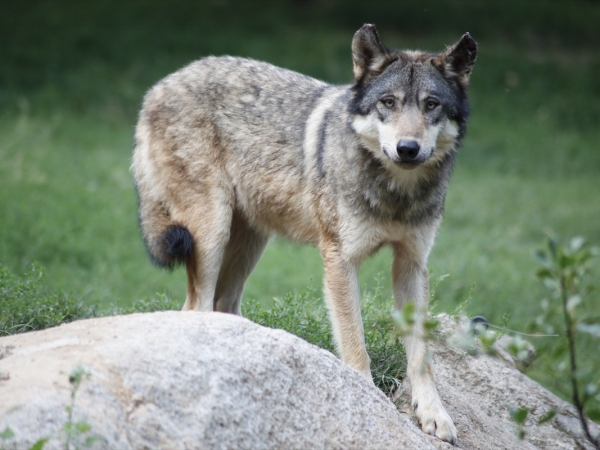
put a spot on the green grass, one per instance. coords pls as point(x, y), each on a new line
point(305, 316)
point(72, 76)
point(26, 304)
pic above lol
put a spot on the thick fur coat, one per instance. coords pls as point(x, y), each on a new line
point(230, 151)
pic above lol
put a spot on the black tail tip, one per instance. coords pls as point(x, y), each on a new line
point(176, 245)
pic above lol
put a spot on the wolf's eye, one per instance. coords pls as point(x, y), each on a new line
point(431, 104)
point(388, 102)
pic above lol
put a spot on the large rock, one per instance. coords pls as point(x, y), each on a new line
point(185, 380)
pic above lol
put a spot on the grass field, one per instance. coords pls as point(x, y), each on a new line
point(72, 76)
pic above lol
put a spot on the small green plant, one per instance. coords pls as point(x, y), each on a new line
point(8, 434)
point(565, 269)
point(5, 438)
point(519, 416)
point(77, 431)
point(76, 434)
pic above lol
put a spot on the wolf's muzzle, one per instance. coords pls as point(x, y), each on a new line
point(408, 150)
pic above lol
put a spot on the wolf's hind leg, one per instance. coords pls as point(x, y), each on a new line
point(208, 217)
point(241, 255)
point(410, 280)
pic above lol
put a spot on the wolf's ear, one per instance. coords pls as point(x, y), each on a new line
point(369, 55)
point(457, 62)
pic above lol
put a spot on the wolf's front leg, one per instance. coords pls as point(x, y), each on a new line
point(342, 294)
point(411, 283)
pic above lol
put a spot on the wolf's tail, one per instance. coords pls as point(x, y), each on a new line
point(168, 243)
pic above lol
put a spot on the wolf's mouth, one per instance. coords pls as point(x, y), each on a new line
point(410, 165)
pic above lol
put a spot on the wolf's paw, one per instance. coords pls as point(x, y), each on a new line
point(434, 419)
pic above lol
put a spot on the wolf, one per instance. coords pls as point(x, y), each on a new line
point(229, 151)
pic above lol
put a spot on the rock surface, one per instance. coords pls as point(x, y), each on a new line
point(478, 393)
point(186, 380)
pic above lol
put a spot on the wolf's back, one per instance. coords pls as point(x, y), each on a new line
point(218, 119)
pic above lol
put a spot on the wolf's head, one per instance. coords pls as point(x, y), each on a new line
point(410, 108)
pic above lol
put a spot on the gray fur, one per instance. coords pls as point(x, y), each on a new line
point(230, 151)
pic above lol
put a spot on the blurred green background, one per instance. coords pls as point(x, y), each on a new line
point(73, 74)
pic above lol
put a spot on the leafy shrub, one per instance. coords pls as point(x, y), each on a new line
point(567, 317)
point(566, 272)
point(27, 305)
point(159, 303)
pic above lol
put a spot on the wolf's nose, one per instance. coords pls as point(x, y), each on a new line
point(408, 150)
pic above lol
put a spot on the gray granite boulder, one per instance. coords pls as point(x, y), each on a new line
point(187, 380)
